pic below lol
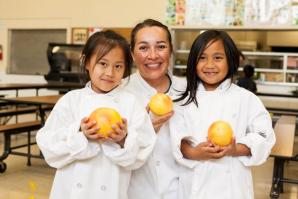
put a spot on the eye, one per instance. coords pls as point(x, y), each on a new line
point(161, 47)
point(203, 57)
point(218, 58)
point(143, 48)
point(119, 66)
point(102, 64)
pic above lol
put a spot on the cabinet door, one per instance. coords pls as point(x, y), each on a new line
point(292, 69)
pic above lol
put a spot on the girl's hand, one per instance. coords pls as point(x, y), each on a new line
point(207, 150)
point(236, 149)
point(158, 121)
point(203, 151)
point(119, 133)
point(90, 130)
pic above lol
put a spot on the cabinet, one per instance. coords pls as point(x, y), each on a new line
point(274, 67)
point(277, 68)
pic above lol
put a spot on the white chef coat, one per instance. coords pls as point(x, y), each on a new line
point(158, 178)
point(87, 169)
point(227, 177)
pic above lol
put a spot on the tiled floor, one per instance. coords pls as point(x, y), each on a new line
point(23, 182)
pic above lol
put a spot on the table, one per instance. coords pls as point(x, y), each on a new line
point(277, 95)
point(18, 86)
point(13, 129)
point(35, 100)
point(281, 105)
point(283, 151)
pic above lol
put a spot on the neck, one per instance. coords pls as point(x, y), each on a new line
point(161, 85)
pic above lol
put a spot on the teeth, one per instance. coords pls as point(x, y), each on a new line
point(153, 65)
point(210, 73)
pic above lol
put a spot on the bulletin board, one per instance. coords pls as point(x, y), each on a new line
point(232, 12)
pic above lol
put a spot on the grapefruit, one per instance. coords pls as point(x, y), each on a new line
point(220, 133)
point(160, 104)
point(105, 118)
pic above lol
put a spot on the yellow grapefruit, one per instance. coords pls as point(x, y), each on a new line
point(160, 104)
point(105, 118)
point(220, 133)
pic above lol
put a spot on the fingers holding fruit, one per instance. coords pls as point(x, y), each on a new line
point(206, 151)
point(107, 123)
point(89, 128)
point(158, 121)
point(230, 150)
point(119, 132)
point(161, 105)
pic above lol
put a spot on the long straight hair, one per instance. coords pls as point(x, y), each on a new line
point(196, 51)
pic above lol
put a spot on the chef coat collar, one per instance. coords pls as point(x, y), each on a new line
point(90, 91)
point(225, 85)
point(148, 87)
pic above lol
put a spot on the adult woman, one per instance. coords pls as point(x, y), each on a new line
point(151, 49)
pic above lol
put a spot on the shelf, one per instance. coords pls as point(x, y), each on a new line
point(273, 68)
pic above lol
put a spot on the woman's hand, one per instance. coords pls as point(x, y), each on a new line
point(90, 130)
point(158, 121)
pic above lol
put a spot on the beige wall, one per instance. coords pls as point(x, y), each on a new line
point(26, 14)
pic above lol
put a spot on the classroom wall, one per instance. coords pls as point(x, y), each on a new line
point(28, 14)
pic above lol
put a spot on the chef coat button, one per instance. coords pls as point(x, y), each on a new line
point(103, 188)
point(79, 185)
point(228, 171)
point(234, 115)
point(170, 94)
point(157, 163)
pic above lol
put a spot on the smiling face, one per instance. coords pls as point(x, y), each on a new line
point(152, 53)
point(212, 67)
point(107, 72)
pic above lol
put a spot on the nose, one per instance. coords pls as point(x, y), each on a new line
point(210, 63)
point(109, 71)
point(152, 53)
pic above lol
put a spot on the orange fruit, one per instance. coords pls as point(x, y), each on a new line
point(105, 118)
point(220, 133)
point(160, 104)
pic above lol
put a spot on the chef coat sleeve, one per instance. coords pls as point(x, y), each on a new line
point(179, 131)
point(139, 142)
point(60, 140)
point(260, 136)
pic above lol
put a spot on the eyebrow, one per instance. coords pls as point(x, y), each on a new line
point(145, 42)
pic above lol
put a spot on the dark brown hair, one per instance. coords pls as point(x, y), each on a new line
point(149, 23)
point(100, 43)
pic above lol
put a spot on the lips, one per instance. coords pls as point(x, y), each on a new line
point(107, 81)
point(153, 65)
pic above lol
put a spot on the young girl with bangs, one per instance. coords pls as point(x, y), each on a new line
point(89, 165)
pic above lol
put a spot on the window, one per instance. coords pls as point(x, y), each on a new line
point(28, 50)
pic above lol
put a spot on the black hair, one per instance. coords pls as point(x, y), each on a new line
point(196, 51)
point(101, 43)
point(248, 70)
point(148, 23)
